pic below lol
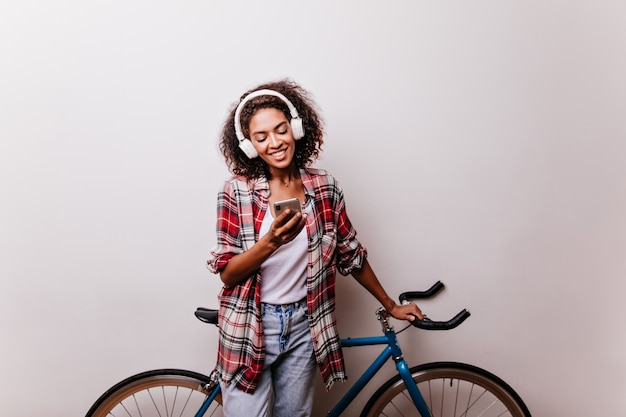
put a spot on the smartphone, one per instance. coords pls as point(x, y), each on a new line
point(292, 204)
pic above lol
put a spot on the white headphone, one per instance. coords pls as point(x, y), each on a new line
point(296, 122)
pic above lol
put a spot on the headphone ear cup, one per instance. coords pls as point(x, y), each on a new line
point(248, 148)
point(296, 128)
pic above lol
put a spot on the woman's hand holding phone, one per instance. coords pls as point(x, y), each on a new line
point(289, 219)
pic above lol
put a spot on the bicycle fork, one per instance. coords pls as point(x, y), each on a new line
point(401, 365)
point(411, 386)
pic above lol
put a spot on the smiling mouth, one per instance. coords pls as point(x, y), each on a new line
point(279, 153)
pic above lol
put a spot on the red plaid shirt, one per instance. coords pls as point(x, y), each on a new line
point(332, 247)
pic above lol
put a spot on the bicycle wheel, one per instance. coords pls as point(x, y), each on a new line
point(158, 393)
point(450, 389)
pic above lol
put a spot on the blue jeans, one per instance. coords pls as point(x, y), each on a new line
point(286, 388)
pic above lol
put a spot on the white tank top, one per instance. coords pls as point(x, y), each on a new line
point(283, 274)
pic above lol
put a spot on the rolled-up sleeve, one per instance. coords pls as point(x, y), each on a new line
point(351, 254)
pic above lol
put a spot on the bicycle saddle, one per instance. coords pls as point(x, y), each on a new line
point(206, 315)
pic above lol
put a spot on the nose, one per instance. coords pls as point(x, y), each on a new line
point(274, 140)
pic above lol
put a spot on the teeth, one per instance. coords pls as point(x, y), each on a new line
point(277, 154)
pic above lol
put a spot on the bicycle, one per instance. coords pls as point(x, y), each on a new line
point(437, 389)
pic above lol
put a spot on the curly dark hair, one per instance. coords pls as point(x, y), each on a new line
point(307, 148)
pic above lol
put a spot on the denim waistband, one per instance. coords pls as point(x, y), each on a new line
point(283, 307)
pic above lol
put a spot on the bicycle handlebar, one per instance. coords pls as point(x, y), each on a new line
point(426, 323)
point(208, 315)
point(412, 295)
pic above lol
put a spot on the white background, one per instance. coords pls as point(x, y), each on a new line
point(481, 143)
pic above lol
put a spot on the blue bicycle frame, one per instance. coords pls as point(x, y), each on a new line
point(391, 351)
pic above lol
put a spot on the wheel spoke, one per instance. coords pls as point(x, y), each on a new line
point(154, 402)
point(186, 402)
point(443, 390)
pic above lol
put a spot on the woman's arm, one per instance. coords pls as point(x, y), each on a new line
point(243, 265)
point(367, 278)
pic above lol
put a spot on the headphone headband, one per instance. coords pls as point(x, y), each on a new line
point(257, 93)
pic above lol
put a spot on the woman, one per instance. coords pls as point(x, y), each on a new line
point(277, 307)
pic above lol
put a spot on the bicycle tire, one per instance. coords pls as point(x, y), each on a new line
point(157, 393)
point(449, 389)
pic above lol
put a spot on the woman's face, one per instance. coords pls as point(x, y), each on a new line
point(270, 133)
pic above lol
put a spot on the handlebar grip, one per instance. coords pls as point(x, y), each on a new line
point(428, 324)
point(412, 295)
